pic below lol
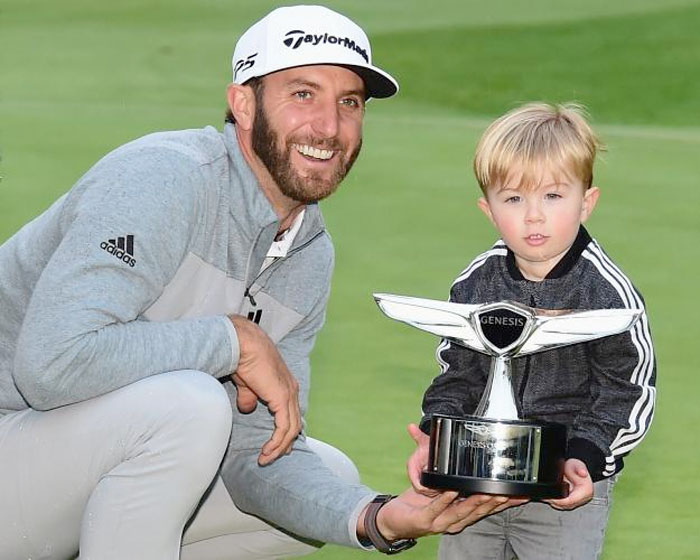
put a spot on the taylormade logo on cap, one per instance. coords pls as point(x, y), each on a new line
point(296, 36)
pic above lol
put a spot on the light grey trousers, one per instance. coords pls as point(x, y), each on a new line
point(536, 531)
point(120, 476)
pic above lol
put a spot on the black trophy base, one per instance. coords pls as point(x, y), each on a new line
point(467, 485)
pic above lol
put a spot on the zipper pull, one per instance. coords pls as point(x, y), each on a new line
point(250, 297)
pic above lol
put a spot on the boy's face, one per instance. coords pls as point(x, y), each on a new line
point(539, 224)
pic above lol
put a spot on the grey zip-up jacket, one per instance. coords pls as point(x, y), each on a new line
point(133, 272)
point(603, 391)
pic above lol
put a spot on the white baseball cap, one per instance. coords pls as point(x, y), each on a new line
point(303, 35)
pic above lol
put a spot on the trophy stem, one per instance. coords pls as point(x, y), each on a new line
point(498, 400)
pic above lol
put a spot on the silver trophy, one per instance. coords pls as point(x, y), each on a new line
point(494, 451)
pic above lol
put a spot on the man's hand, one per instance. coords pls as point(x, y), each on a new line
point(580, 486)
point(413, 515)
point(262, 374)
point(419, 460)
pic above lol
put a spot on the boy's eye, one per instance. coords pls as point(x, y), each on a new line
point(513, 199)
point(552, 196)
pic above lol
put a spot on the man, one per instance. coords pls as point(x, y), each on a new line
point(182, 280)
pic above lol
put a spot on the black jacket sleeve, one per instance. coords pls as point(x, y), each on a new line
point(458, 388)
point(623, 375)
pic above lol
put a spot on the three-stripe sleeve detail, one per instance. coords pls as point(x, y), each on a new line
point(498, 249)
point(642, 411)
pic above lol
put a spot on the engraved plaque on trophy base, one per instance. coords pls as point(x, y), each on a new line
point(509, 457)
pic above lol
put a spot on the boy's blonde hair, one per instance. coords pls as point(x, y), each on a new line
point(534, 136)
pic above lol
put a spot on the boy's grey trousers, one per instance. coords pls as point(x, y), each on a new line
point(536, 531)
point(79, 479)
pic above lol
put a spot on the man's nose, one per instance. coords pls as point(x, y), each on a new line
point(326, 119)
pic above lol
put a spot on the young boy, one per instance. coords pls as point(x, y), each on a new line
point(535, 169)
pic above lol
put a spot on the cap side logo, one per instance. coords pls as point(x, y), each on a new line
point(296, 37)
point(244, 64)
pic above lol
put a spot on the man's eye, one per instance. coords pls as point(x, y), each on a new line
point(302, 94)
point(350, 102)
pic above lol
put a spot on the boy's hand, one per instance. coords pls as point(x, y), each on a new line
point(580, 486)
point(419, 460)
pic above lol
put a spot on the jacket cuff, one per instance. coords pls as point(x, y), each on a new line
point(586, 451)
point(365, 543)
point(425, 424)
point(235, 348)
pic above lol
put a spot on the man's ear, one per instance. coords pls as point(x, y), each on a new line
point(241, 101)
point(590, 199)
point(483, 205)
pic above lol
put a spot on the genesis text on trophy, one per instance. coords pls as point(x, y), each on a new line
point(494, 451)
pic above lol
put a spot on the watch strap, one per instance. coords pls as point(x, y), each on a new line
point(373, 533)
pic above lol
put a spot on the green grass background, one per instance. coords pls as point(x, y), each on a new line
point(78, 78)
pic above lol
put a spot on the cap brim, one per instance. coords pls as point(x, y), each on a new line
point(379, 84)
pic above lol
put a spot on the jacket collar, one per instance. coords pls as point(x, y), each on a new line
point(312, 225)
point(565, 264)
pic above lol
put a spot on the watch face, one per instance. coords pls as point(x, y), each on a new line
point(400, 546)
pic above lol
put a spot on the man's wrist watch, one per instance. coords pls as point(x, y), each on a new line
point(372, 531)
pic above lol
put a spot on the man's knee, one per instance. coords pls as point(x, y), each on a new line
point(200, 395)
point(193, 400)
point(189, 414)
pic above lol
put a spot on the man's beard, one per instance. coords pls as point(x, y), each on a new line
point(276, 157)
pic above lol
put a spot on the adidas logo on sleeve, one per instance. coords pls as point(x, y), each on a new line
point(122, 248)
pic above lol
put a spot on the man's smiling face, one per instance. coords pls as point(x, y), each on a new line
point(308, 128)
